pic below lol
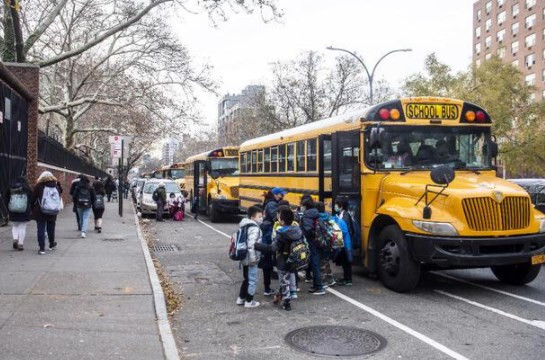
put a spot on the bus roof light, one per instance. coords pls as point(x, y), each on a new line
point(470, 116)
point(395, 114)
point(479, 115)
point(384, 114)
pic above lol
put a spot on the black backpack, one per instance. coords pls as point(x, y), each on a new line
point(155, 196)
point(238, 249)
point(299, 255)
point(99, 202)
point(84, 198)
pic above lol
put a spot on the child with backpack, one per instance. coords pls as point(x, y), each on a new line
point(345, 257)
point(99, 204)
point(85, 198)
point(249, 233)
point(46, 205)
point(176, 207)
point(18, 200)
point(287, 236)
point(329, 237)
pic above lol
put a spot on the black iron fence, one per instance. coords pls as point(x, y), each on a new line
point(53, 153)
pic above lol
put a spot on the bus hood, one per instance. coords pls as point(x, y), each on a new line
point(228, 186)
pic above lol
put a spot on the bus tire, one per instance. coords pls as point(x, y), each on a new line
point(516, 274)
point(397, 269)
point(213, 212)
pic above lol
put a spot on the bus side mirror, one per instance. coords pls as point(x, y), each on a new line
point(207, 166)
point(442, 175)
point(493, 149)
point(376, 137)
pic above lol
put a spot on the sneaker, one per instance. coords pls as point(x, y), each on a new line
point(99, 230)
point(83, 235)
point(344, 282)
point(286, 306)
point(252, 304)
point(293, 294)
point(53, 246)
point(41, 252)
point(15, 244)
point(240, 301)
point(277, 298)
point(20, 247)
point(269, 292)
point(330, 283)
point(315, 291)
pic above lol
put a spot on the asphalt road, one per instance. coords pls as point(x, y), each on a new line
point(460, 314)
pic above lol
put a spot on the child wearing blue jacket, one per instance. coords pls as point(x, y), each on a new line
point(346, 255)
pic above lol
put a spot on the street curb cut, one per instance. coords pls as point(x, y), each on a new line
point(165, 332)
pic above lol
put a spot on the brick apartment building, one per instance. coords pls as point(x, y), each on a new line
point(514, 30)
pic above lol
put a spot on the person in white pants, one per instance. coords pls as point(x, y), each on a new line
point(18, 200)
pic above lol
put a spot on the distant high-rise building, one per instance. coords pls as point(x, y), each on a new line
point(514, 30)
point(234, 106)
point(169, 149)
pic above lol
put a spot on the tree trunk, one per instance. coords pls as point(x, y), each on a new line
point(8, 50)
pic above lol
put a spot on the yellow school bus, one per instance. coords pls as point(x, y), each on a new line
point(419, 174)
point(174, 172)
point(213, 176)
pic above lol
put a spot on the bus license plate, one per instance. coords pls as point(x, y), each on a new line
point(538, 259)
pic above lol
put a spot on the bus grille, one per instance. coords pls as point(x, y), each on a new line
point(485, 214)
point(234, 192)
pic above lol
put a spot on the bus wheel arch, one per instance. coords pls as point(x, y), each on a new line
point(379, 223)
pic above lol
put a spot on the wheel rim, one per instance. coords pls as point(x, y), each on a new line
point(390, 258)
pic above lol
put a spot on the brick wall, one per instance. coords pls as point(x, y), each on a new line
point(29, 76)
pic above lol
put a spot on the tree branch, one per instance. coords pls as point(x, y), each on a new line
point(32, 38)
point(71, 104)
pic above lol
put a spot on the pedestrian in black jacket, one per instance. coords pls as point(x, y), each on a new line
point(308, 226)
point(18, 201)
point(84, 196)
point(47, 188)
point(75, 183)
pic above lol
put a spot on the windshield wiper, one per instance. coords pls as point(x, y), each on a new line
point(475, 171)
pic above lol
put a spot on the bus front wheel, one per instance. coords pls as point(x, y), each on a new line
point(213, 212)
point(396, 268)
point(517, 274)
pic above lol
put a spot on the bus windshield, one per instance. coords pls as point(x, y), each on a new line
point(224, 166)
point(177, 173)
point(419, 147)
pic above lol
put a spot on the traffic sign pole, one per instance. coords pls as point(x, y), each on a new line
point(121, 179)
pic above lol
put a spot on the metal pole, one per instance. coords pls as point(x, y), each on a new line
point(120, 179)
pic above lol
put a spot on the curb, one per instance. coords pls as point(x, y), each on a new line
point(165, 332)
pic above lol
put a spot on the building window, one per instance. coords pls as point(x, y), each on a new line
point(501, 17)
point(478, 48)
point(488, 7)
point(515, 29)
point(478, 32)
point(311, 155)
point(543, 34)
point(514, 47)
point(544, 14)
point(501, 2)
point(301, 156)
point(267, 163)
point(479, 14)
point(282, 158)
point(500, 35)
point(530, 79)
point(488, 42)
point(488, 24)
point(515, 9)
point(515, 63)
point(530, 40)
point(501, 52)
point(291, 157)
point(530, 3)
point(530, 60)
point(530, 21)
point(274, 159)
point(488, 56)
point(543, 55)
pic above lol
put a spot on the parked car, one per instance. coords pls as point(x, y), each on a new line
point(536, 189)
point(136, 187)
point(146, 204)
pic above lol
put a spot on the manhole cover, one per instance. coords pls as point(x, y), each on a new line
point(164, 247)
point(335, 341)
point(113, 239)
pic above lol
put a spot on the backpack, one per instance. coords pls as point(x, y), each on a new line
point(328, 236)
point(155, 196)
point(50, 203)
point(99, 202)
point(355, 232)
point(239, 244)
point(299, 255)
point(84, 198)
point(179, 216)
point(18, 200)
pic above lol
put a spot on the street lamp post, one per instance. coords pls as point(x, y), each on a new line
point(370, 75)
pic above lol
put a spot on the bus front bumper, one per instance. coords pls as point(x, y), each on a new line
point(475, 252)
point(227, 206)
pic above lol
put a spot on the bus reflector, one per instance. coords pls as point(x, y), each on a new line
point(394, 114)
point(479, 115)
point(384, 114)
point(470, 116)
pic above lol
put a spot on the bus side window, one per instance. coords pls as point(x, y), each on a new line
point(243, 163)
point(301, 166)
point(259, 161)
point(291, 157)
point(327, 155)
point(282, 158)
point(274, 159)
point(254, 161)
point(267, 163)
point(311, 155)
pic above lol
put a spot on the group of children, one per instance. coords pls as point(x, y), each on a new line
point(271, 231)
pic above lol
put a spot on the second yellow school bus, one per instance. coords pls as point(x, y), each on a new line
point(419, 175)
point(213, 177)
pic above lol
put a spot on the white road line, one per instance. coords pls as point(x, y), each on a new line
point(211, 227)
point(453, 354)
point(536, 323)
point(490, 288)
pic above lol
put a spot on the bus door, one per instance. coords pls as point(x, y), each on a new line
point(199, 182)
point(324, 170)
point(346, 173)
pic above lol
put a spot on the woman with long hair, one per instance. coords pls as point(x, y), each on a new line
point(18, 201)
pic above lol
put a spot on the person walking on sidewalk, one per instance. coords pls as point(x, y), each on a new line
point(46, 204)
point(85, 198)
point(18, 201)
point(98, 205)
point(109, 186)
point(249, 264)
point(73, 187)
point(160, 198)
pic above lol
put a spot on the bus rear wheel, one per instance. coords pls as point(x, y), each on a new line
point(396, 268)
point(516, 274)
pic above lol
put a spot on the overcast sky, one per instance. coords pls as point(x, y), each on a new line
point(241, 49)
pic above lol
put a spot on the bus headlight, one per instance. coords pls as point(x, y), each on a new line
point(436, 228)
point(542, 225)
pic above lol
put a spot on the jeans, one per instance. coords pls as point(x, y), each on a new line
point(160, 209)
point(247, 289)
point(44, 225)
point(84, 218)
point(315, 266)
point(267, 273)
point(77, 218)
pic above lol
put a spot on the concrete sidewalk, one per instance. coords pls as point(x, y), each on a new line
point(89, 299)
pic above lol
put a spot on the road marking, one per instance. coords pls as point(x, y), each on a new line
point(453, 354)
point(211, 227)
point(490, 288)
point(536, 323)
